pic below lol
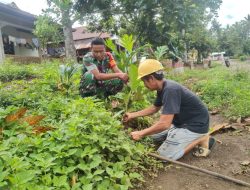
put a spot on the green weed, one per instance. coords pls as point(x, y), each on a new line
point(220, 88)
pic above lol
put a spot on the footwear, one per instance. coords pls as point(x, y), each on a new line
point(204, 152)
point(211, 143)
point(201, 152)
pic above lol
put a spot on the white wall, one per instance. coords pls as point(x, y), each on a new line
point(23, 51)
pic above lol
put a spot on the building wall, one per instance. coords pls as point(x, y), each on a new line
point(20, 49)
point(23, 51)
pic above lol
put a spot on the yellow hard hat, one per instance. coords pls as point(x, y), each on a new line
point(148, 66)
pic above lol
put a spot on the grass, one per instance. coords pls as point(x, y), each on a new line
point(81, 123)
point(220, 88)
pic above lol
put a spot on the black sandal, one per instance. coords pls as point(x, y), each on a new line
point(212, 143)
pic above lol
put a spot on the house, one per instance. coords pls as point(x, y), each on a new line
point(16, 37)
point(82, 39)
point(18, 41)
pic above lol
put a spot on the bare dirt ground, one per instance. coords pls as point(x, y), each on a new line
point(226, 159)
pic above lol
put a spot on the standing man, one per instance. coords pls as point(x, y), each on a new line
point(184, 119)
point(97, 78)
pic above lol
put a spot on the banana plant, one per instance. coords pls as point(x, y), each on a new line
point(160, 52)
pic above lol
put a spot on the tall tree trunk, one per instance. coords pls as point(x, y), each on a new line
point(2, 56)
point(67, 31)
point(199, 60)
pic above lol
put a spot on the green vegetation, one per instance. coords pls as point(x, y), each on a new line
point(87, 147)
point(243, 58)
point(87, 144)
point(128, 64)
point(234, 39)
point(47, 31)
point(221, 89)
point(14, 72)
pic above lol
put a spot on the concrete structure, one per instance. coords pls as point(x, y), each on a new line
point(16, 37)
point(218, 56)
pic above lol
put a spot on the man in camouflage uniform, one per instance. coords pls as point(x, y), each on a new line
point(97, 78)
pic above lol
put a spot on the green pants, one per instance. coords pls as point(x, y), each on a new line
point(89, 86)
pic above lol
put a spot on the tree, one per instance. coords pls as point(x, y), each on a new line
point(47, 31)
point(216, 33)
point(160, 22)
point(201, 39)
point(67, 12)
point(64, 14)
point(235, 39)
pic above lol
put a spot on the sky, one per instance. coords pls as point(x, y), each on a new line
point(230, 10)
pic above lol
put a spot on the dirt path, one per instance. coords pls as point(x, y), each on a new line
point(225, 159)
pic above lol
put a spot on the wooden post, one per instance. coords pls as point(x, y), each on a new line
point(2, 55)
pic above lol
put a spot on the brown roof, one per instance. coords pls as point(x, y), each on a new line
point(86, 45)
point(83, 44)
point(81, 33)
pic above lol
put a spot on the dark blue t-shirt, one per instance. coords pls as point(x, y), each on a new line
point(189, 111)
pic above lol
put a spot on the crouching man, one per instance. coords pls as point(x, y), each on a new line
point(101, 76)
point(184, 119)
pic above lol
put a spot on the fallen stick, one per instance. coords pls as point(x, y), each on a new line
point(201, 170)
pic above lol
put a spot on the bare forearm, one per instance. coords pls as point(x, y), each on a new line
point(148, 111)
point(116, 70)
point(161, 125)
point(106, 76)
point(156, 128)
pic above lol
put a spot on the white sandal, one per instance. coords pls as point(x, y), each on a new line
point(201, 152)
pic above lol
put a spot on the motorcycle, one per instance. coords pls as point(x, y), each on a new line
point(227, 62)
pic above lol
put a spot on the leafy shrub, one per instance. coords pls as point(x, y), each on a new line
point(243, 58)
point(87, 150)
point(9, 72)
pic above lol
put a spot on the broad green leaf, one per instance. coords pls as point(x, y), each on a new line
point(133, 74)
point(96, 162)
point(98, 172)
point(88, 187)
point(22, 177)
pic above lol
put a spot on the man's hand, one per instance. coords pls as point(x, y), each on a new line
point(136, 135)
point(123, 77)
point(127, 117)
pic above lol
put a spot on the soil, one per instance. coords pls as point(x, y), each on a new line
point(225, 158)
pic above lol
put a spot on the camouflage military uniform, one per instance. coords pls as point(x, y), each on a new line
point(89, 86)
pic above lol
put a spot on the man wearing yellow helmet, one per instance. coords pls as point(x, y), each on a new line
point(184, 119)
